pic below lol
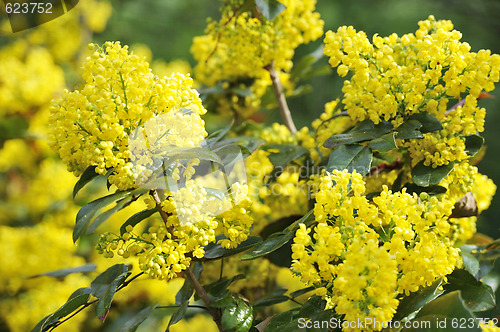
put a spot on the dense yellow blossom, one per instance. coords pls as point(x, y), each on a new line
point(408, 233)
point(91, 126)
point(365, 286)
point(242, 43)
point(394, 77)
point(24, 73)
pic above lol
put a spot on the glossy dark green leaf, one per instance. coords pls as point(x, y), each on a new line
point(445, 308)
point(415, 301)
point(409, 130)
point(237, 316)
point(431, 190)
point(363, 131)
point(384, 143)
point(176, 153)
point(473, 144)
point(86, 213)
point(187, 288)
point(285, 153)
point(88, 175)
point(178, 314)
point(214, 251)
point(476, 295)
point(64, 272)
point(351, 157)
point(471, 263)
point(314, 306)
point(104, 303)
point(277, 240)
point(219, 287)
point(73, 303)
point(121, 204)
point(279, 322)
point(428, 121)
point(251, 144)
point(272, 298)
point(137, 218)
point(132, 324)
point(102, 281)
point(269, 8)
point(302, 291)
point(425, 176)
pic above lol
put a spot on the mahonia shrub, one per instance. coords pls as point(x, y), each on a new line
point(368, 215)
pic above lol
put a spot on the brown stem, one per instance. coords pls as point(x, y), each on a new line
point(280, 96)
point(216, 314)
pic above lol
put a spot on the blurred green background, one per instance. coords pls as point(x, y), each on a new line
point(168, 26)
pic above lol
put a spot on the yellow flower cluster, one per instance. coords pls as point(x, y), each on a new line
point(398, 76)
point(24, 73)
point(242, 43)
point(362, 254)
point(91, 126)
point(365, 286)
point(167, 248)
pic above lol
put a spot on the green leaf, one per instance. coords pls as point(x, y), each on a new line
point(431, 190)
point(219, 287)
point(363, 131)
point(104, 302)
point(384, 143)
point(428, 121)
point(314, 306)
point(415, 301)
point(137, 218)
point(471, 262)
point(73, 303)
point(64, 272)
point(279, 321)
point(132, 324)
point(105, 279)
point(272, 298)
point(476, 295)
point(88, 175)
point(185, 293)
point(121, 204)
point(444, 309)
point(187, 288)
point(409, 130)
point(425, 176)
point(176, 153)
point(351, 157)
point(217, 135)
point(276, 240)
point(302, 291)
point(178, 314)
point(239, 316)
point(86, 213)
point(286, 153)
point(214, 251)
point(269, 8)
point(473, 144)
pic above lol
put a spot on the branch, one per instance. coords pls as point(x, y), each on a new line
point(125, 284)
point(216, 314)
point(282, 105)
